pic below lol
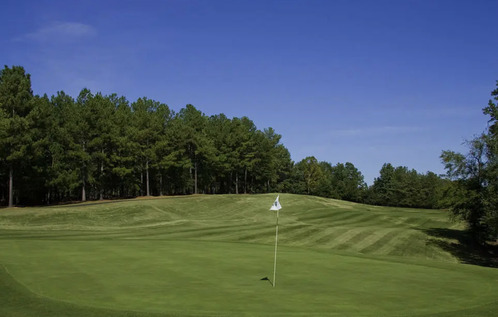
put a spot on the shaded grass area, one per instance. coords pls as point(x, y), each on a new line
point(460, 244)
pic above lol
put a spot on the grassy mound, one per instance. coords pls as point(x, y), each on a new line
point(205, 255)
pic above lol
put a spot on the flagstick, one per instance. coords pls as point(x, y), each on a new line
point(275, 261)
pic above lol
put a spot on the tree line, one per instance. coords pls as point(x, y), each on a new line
point(58, 149)
point(96, 146)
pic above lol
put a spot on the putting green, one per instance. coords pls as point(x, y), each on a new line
point(193, 277)
point(205, 255)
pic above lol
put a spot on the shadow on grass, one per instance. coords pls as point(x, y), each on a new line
point(461, 245)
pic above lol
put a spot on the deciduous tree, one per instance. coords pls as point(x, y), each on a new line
point(475, 178)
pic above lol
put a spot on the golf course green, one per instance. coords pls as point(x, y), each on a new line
point(206, 255)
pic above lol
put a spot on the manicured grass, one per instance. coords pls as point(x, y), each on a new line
point(206, 255)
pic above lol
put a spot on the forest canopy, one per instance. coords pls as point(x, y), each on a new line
point(59, 148)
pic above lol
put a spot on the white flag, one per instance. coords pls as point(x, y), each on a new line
point(276, 204)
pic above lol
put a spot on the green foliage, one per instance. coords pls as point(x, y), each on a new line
point(149, 123)
point(475, 179)
point(15, 91)
point(348, 182)
point(311, 173)
point(100, 146)
point(399, 186)
point(15, 104)
point(342, 181)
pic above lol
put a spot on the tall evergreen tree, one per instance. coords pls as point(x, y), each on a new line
point(197, 147)
point(149, 122)
point(42, 118)
point(16, 102)
point(219, 130)
point(64, 177)
point(79, 129)
point(120, 179)
point(4, 123)
point(160, 151)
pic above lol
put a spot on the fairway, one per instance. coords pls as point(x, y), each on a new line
point(206, 255)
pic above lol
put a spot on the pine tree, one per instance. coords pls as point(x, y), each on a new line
point(16, 103)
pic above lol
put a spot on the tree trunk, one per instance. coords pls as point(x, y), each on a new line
point(237, 183)
point(141, 183)
point(101, 194)
point(160, 184)
point(102, 176)
point(245, 181)
point(147, 177)
point(195, 178)
point(191, 190)
point(83, 191)
point(252, 183)
point(11, 187)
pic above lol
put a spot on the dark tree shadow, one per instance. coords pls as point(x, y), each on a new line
point(461, 245)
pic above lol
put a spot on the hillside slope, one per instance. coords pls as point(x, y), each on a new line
point(206, 256)
point(305, 221)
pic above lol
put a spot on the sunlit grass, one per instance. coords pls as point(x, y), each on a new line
point(206, 255)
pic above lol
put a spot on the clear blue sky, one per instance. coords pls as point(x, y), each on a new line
point(366, 82)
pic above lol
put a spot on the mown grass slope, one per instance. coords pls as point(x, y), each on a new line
point(205, 255)
point(305, 221)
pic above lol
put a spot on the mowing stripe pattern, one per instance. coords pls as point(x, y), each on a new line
point(306, 221)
